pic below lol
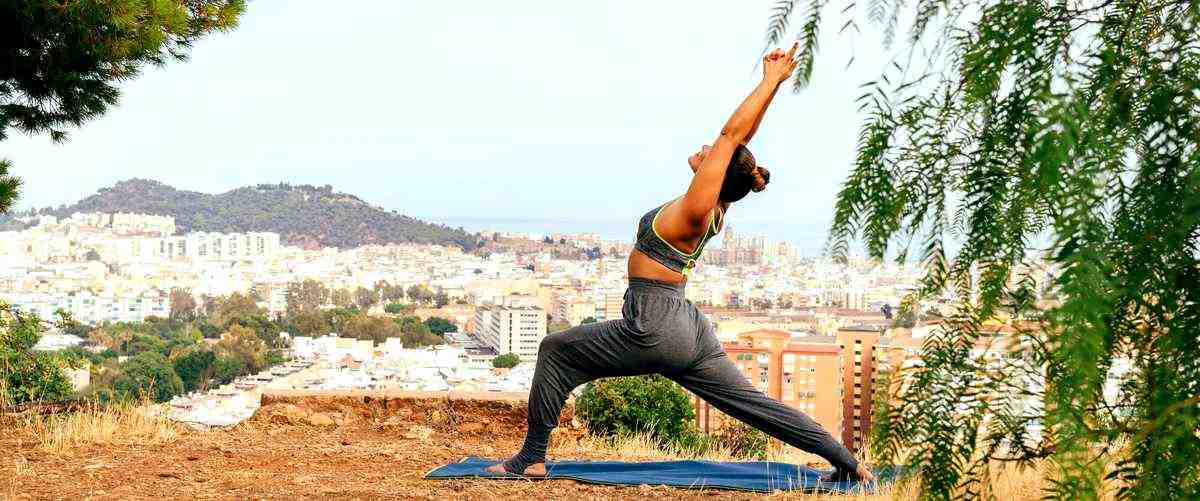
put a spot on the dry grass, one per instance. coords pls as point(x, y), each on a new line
point(101, 425)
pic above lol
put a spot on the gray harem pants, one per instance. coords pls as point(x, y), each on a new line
point(664, 333)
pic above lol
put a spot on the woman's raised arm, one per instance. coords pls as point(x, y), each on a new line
point(702, 194)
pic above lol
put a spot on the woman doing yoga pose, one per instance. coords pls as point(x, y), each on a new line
point(661, 331)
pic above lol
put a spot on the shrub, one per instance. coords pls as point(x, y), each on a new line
point(226, 369)
point(439, 325)
point(194, 368)
point(506, 361)
point(741, 440)
point(640, 404)
point(274, 358)
point(399, 309)
point(148, 374)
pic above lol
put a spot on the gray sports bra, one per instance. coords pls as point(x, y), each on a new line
point(655, 247)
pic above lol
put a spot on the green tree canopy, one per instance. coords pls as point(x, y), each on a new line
point(227, 368)
point(195, 368)
point(245, 346)
point(234, 307)
point(10, 187)
point(421, 294)
point(183, 304)
point(266, 328)
point(311, 323)
point(506, 361)
point(440, 326)
point(145, 342)
point(1048, 136)
point(27, 375)
point(365, 298)
point(365, 326)
point(147, 374)
point(305, 296)
point(399, 309)
point(389, 293)
point(414, 333)
point(342, 298)
point(64, 61)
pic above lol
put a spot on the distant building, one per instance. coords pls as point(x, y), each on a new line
point(830, 378)
point(861, 351)
point(88, 307)
point(614, 302)
point(802, 372)
point(333, 349)
point(222, 246)
point(737, 249)
point(514, 326)
point(573, 309)
point(54, 341)
point(121, 223)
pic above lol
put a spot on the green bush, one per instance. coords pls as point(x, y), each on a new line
point(399, 309)
point(226, 369)
point(650, 404)
point(194, 368)
point(439, 325)
point(148, 374)
point(274, 358)
point(506, 361)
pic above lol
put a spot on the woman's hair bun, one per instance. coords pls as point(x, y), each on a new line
point(762, 177)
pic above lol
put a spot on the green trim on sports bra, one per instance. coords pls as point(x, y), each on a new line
point(708, 234)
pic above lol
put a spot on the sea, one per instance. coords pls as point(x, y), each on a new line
point(808, 239)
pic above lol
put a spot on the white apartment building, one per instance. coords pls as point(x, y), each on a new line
point(573, 309)
point(222, 246)
point(331, 349)
point(514, 326)
point(122, 223)
point(87, 307)
point(199, 246)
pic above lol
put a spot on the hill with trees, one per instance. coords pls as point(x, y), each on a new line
point(304, 215)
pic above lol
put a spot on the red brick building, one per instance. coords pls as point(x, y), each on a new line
point(830, 378)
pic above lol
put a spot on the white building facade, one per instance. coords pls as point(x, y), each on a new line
point(514, 326)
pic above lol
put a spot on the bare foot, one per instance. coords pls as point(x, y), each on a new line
point(864, 474)
point(533, 470)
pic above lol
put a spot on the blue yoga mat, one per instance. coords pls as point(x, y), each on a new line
point(752, 476)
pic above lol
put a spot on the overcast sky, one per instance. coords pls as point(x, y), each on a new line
point(525, 109)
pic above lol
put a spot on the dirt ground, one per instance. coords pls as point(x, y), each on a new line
point(356, 450)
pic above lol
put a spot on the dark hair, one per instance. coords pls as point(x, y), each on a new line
point(743, 176)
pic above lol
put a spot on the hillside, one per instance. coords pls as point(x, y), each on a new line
point(304, 215)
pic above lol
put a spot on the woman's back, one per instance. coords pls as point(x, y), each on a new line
point(657, 256)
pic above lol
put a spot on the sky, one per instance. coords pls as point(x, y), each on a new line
point(475, 109)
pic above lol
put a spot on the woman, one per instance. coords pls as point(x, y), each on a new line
point(662, 332)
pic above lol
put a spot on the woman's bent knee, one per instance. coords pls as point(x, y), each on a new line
point(551, 344)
